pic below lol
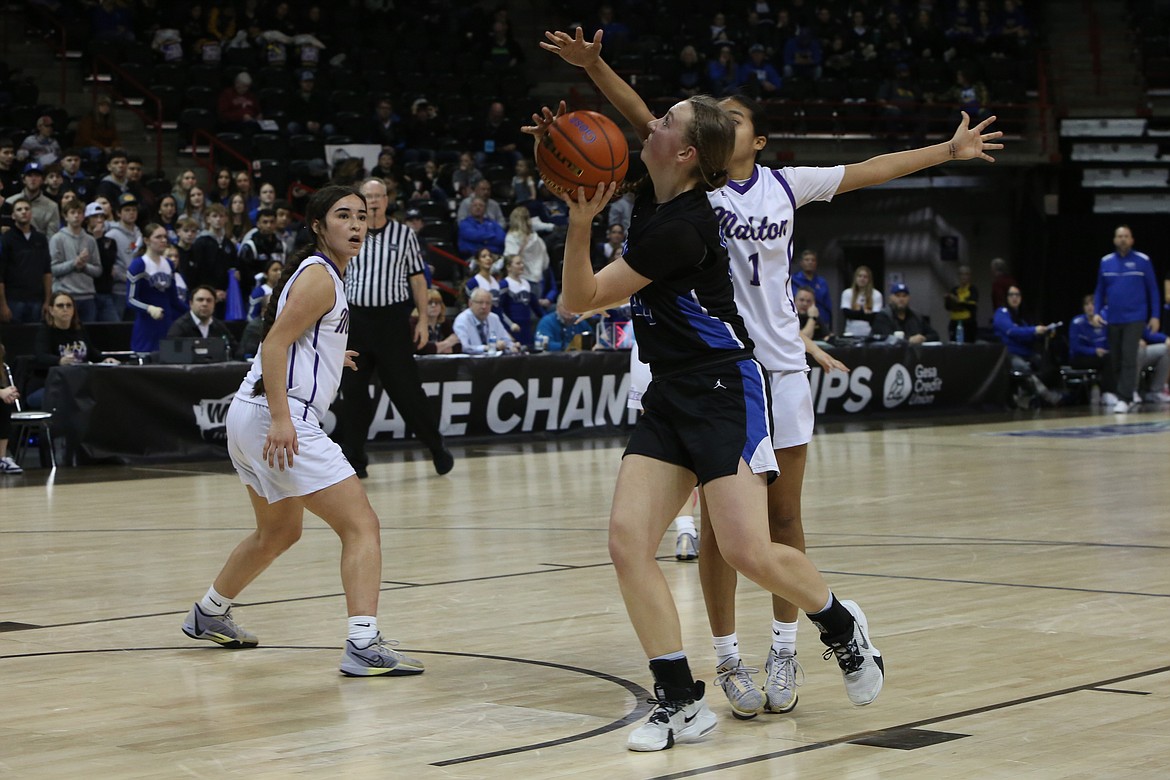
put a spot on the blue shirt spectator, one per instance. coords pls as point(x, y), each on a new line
point(560, 327)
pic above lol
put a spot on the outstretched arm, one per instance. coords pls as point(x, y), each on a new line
point(966, 144)
point(575, 50)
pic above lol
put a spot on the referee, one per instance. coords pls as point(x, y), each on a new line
point(383, 284)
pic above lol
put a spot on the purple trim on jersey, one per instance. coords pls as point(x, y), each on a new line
point(747, 185)
point(713, 331)
point(755, 402)
point(784, 183)
point(292, 363)
point(316, 364)
point(336, 270)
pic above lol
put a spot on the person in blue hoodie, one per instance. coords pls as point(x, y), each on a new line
point(1019, 337)
point(1126, 284)
point(1088, 347)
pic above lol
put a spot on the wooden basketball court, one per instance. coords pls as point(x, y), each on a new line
point(1014, 571)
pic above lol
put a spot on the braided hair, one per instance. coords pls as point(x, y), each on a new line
point(315, 213)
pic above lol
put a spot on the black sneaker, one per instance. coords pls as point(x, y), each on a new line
point(444, 461)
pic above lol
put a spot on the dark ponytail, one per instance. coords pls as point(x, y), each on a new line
point(318, 208)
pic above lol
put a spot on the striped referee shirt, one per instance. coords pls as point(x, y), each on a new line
point(380, 274)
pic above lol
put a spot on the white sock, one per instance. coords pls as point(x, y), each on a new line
point(362, 630)
point(726, 649)
point(685, 524)
point(213, 603)
point(784, 636)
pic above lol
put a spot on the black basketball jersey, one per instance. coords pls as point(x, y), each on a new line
point(686, 317)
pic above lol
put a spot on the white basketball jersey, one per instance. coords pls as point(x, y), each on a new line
point(316, 359)
point(756, 221)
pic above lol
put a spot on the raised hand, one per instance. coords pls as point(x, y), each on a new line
point(971, 142)
point(574, 49)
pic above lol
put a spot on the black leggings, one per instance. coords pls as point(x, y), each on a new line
point(5, 420)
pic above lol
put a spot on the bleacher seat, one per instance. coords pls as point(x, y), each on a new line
point(305, 147)
point(275, 171)
point(196, 96)
point(269, 145)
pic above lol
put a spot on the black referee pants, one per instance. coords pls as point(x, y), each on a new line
point(383, 340)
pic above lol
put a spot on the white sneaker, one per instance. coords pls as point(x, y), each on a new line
point(1137, 399)
point(861, 663)
point(1121, 407)
point(673, 721)
point(1108, 399)
point(1160, 397)
point(686, 548)
point(9, 466)
point(784, 675)
point(378, 658)
point(745, 697)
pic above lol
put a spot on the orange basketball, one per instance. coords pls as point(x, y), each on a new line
point(582, 149)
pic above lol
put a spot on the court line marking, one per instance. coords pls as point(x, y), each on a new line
point(640, 694)
point(914, 724)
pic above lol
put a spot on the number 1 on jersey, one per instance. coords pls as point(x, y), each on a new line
point(754, 259)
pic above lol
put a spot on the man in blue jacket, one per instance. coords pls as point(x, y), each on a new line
point(807, 276)
point(1126, 284)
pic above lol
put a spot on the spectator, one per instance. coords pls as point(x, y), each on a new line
point(187, 230)
point(238, 224)
point(809, 316)
point(480, 330)
point(97, 132)
point(1152, 353)
point(75, 263)
point(154, 293)
point(115, 184)
point(803, 57)
point(963, 303)
point(442, 339)
point(221, 193)
point(167, 215)
point(40, 147)
point(610, 248)
point(386, 167)
point(900, 101)
point(195, 206)
point(499, 138)
point(95, 224)
point(483, 191)
point(971, 96)
point(182, 189)
point(424, 131)
point(723, 73)
point(686, 77)
point(500, 50)
point(308, 109)
point(243, 182)
point(523, 242)
point(238, 107)
point(807, 276)
point(860, 304)
point(483, 278)
point(426, 186)
point(53, 183)
point(266, 199)
point(200, 321)
point(518, 305)
point(386, 124)
point(1126, 284)
point(523, 182)
point(757, 77)
point(9, 170)
point(898, 317)
point(136, 187)
point(286, 227)
point(926, 40)
point(8, 397)
point(260, 247)
point(477, 231)
point(1088, 348)
point(559, 327)
point(1020, 339)
point(128, 237)
point(63, 341)
point(212, 255)
point(45, 215)
point(466, 176)
point(26, 276)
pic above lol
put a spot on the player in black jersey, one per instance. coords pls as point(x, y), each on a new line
point(706, 417)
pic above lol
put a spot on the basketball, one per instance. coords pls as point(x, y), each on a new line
point(582, 149)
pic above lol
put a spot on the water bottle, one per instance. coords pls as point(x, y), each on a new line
point(959, 338)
